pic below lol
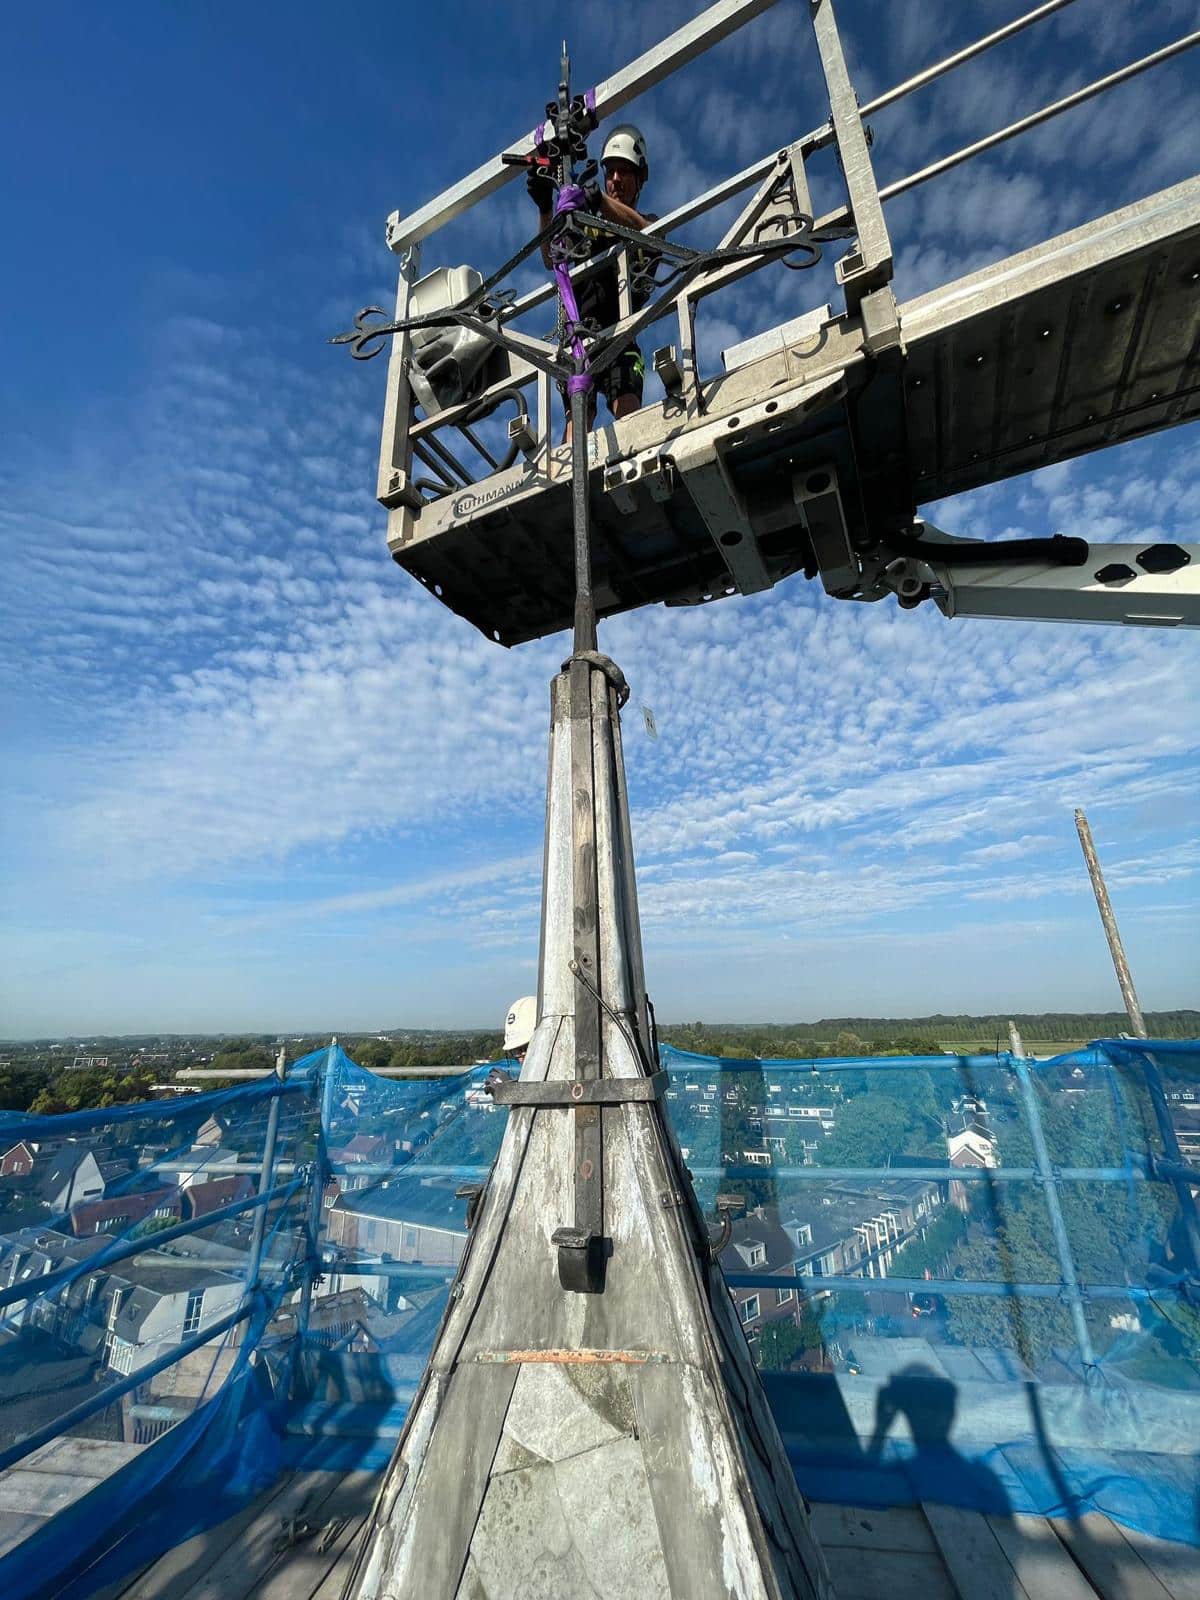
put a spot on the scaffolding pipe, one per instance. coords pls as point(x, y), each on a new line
point(1140, 1169)
point(199, 1074)
point(1067, 103)
point(1041, 1153)
point(947, 1287)
point(320, 1169)
point(266, 1180)
point(929, 74)
point(1182, 1178)
point(811, 1285)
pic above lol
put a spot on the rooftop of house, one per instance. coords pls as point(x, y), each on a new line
point(151, 1277)
point(62, 1166)
point(423, 1202)
point(758, 1231)
point(841, 1208)
point(959, 1122)
point(363, 1147)
point(44, 1249)
point(214, 1192)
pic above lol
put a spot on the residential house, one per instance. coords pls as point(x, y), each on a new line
point(122, 1211)
point(758, 1244)
point(156, 1301)
point(970, 1140)
point(796, 1129)
point(200, 1164)
point(213, 1130)
point(198, 1199)
point(17, 1161)
point(1185, 1116)
point(364, 1150)
point(855, 1230)
point(406, 1218)
point(126, 1315)
point(30, 1255)
point(71, 1176)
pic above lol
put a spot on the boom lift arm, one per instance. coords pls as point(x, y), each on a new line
point(1143, 585)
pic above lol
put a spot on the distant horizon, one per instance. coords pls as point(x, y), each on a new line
point(82, 1036)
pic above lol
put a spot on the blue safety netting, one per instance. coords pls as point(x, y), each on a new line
point(967, 1279)
point(149, 1285)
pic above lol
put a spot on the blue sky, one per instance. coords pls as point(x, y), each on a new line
point(257, 778)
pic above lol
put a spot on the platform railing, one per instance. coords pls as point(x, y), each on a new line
point(779, 181)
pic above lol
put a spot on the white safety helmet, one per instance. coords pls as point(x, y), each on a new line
point(627, 143)
point(520, 1023)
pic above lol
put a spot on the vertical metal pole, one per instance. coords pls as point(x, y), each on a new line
point(266, 1177)
point(393, 487)
point(624, 283)
point(870, 267)
point(545, 418)
point(1111, 932)
point(585, 610)
point(685, 310)
point(1045, 1167)
point(316, 1198)
point(581, 1246)
point(589, 1158)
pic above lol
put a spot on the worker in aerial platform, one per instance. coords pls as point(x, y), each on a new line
point(626, 171)
point(519, 1025)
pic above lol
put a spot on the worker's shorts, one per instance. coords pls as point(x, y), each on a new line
point(627, 375)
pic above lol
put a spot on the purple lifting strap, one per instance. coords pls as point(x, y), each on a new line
point(540, 135)
point(571, 197)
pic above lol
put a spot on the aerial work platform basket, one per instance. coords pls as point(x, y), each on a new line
point(814, 448)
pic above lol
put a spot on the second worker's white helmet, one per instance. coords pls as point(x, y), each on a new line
point(627, 143)
point(520, 1023)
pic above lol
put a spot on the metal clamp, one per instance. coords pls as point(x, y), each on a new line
point(668, 370)
point(728, 1206)
point(581, 1259)
point(472, 1193)
point(506, 1091)
point(607, 666)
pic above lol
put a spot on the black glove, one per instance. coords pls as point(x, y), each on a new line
point(541, 189)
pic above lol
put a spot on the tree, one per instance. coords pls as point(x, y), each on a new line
point(782, 1341)
point(1013, 1322)
point(737, 1135)
point(931, 1252)
point(152, 1225)
point(374, 1054)
point(869, 1130)
point(19, 1084)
